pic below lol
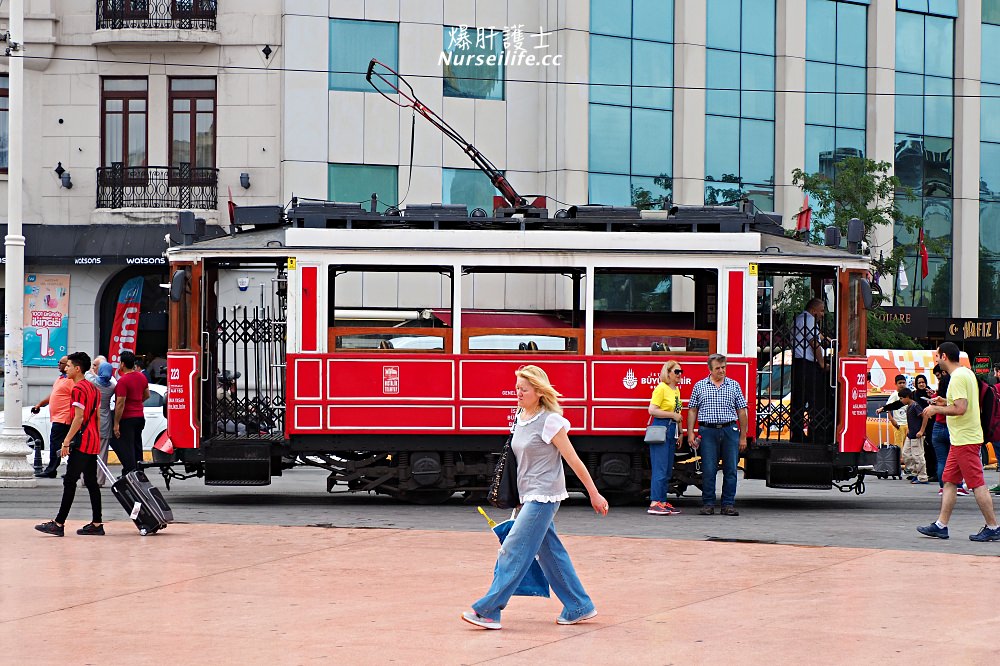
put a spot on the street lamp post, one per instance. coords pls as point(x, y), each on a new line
point(15, 472)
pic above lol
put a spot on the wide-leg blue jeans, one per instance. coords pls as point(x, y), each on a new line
point(534, 534)
point(713, 442)
point(661, 461)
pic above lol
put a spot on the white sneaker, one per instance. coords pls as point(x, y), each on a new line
point(585, 616)
point(472, 617)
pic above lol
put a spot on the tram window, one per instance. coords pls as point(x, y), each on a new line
point(653, 311)
point(522, 311)
point(389, 310)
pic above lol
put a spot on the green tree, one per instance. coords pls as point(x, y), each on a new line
point(643, 199)
point(864, 189)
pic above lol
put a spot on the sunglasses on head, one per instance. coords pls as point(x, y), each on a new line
point(678, 372)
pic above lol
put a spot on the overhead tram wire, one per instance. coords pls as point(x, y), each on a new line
point(300, 70)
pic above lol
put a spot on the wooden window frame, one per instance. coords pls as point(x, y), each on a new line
point(193, 96)
point(5, 94)
point(131, 178)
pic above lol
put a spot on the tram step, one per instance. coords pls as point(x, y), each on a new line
point(238, 464)
point(811, 475)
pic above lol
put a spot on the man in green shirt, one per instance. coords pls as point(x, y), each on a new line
point(962, 411)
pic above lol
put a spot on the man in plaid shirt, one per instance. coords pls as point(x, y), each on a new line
point(719, 407)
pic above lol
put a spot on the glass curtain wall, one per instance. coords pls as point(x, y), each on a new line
point(836, 56)
point(631, 102)
point(739, 102)
point(924, 148)
point(989, 164)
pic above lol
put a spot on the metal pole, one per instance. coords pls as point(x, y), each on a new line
point(15, 472)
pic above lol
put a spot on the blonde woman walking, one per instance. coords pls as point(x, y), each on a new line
point(540, 445)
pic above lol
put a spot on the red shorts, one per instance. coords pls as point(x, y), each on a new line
point(964, 462)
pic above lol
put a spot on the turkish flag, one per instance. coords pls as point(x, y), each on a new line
point(803, 219)
point(923, 255)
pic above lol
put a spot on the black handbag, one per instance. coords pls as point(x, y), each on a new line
point(503, 492)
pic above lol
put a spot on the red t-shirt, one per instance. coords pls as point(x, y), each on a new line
point(86, 397)
point(131, 387)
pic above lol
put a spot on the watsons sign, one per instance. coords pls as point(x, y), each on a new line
point(130, 261)
point(155, 261)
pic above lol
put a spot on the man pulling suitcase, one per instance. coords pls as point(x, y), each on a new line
point(82, 444)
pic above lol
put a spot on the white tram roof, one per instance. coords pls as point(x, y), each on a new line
point(500, 247)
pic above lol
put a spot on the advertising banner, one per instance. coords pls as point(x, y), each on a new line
point(46, 318)
point(125, 329)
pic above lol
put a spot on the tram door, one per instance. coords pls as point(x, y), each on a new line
point(244, 367)
point(184, 355)
point(796, 386)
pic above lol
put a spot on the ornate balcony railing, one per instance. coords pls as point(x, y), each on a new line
point(182, 187)
point(156, 14)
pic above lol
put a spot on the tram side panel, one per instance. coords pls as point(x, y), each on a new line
point(460, 408)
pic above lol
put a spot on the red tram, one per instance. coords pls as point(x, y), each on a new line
point(382, 347)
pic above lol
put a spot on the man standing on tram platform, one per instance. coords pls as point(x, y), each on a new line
point(719, 407)
point(808, 371)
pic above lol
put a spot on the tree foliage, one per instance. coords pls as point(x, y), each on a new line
point(864, 189)
point(643, 199)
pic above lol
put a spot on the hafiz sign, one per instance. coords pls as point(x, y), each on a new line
point(972, 330)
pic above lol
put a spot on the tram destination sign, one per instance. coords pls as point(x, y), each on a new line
point(972, 330)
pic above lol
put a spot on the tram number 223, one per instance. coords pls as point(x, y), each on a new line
point(175, 374)
point(861, 379)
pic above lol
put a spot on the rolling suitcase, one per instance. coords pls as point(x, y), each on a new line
point(887, 457)
point(143, 502)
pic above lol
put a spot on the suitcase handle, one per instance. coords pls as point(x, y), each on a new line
point(104, 468)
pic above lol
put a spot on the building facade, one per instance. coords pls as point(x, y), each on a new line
point(134, 111)
point(633, 114)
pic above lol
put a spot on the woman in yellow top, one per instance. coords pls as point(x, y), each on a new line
point(665, 408)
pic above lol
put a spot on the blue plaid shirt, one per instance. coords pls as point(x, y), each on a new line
point(717, 404)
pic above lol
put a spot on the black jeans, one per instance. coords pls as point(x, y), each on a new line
point(57, 433)
point(85, 464)
point(128, 447)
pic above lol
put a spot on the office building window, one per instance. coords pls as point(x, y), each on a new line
point(353, 44)
point(4, 114)
point(192, 124)
point(836, 48)
point(739, 102)
point(471, 187)
point(924, 149)
point(357, 182)
point(989, 164)
point(123, 122)
point(631, 102)
point(947, 8)
point(472, 62)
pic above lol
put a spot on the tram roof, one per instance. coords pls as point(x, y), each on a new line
point(565, 236)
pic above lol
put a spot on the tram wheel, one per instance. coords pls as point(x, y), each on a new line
point(621, 498)
point(426, 497)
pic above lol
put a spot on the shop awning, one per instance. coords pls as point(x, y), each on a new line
point(98, 244)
